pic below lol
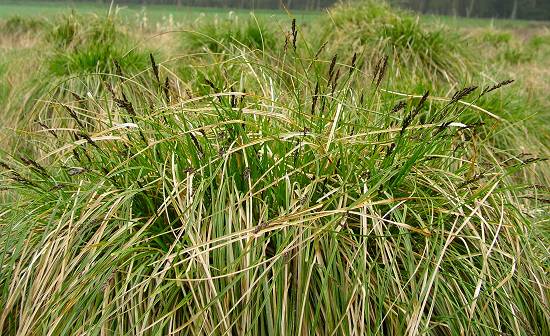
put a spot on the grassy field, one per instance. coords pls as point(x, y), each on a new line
point(160, 13)
point(135, 14)
point(356, 172)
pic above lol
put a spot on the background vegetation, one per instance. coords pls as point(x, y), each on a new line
point(514, 9)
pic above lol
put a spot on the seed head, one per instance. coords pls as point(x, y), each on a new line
point(331, 67)
point(398, 107)
point(353, 59)
point(497, 86)
point(462, 93)
point(155, 68)
point(294, 34)
point(246, 173)
point(44, 126)
point(76, 171)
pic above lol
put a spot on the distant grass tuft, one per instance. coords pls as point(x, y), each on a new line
point(22, 24)
point(221, 33)
point(86, 45)
point(373, 29)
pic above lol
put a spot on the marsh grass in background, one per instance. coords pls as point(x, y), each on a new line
point(70, 56)
point(218, 34)
point(21, 25)
point(91, 44)
point(4, 88)
point(232, 190)
point(373, 29)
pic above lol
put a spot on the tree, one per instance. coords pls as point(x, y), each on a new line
point(514, 10)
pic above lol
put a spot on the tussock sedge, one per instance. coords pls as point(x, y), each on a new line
point(418, 53)
point(270, 193)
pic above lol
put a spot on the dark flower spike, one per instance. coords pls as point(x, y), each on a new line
point(211, 85)
point(77, 97)
point(398, 107)
point(331, 67)
point(353, 60)
point(462, 93)
point(166, 89)
point(155, 68)
point(315, 98)
point(76, 171)
point(380, 70)
point(119, 72)
point(76, 155)
point(44, 126)
point(408, 120)
point(294, 34)
point(197, 144)
point(125, 104)
point(320, 50)
point(497, 86)
point(335, 81)
point(35, 165)
point(88, 139)
point(58, 186)
point(15, 175)
point(5, 165)
point(74, 116)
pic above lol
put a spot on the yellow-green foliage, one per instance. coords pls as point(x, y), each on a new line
point(372, 29)
point(218, 34)
point(92, 44)
point(241, 186)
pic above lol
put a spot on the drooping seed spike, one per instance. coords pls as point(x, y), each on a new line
point(166, 89)
point(352, 65)
point(315, 98)
point(294, 34)
point(44, 126)
point(155, 68)
point(498, 86)
point(74, 116)
point(119, 72)
point(462, 93)
point(331, 67)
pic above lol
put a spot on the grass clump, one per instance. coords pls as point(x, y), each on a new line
point(90, 45)
point(301, 201)
point(494, 37)
point(221, 34)
point(17, 25)
point(373, 29)
point(276, 191)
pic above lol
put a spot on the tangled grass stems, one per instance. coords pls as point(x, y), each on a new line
point(269, 193)
point(201, 215)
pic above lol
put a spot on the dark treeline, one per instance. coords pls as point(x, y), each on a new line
point(514, 9)
point(245, 4)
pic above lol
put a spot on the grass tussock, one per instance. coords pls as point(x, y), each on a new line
point(275, 191)
point(221, 34)
point(91, 45)
point(373, 29)
point(18, 25)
